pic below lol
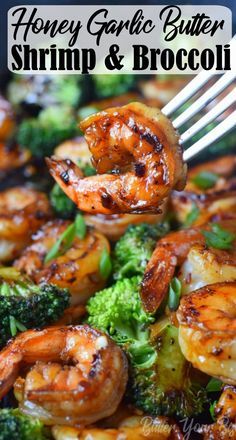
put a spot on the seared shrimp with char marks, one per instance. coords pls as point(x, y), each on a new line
point(207, 330)
point(139, 147)
point(113, 225)
point(186, 249)
point(22, 212)
point(78, 375)
point(78, 269)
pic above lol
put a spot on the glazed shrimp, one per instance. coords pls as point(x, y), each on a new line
point(140, 147)
point(131, 428)
point(216, 203)
point(112, 226)
point(77, 269)
point(22, 212)
point(78, 375)
point(205, 265)
point(225, 411)
point(171, 253)
point(207, 330)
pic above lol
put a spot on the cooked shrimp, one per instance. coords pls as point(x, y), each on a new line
point(7, 119)
point(207, 332)
point(225, 426)
point(205, 265)
point(78, 375)
point(132, 428)
point(74, 149)
point(163, 89)
point(12, 156)
point(216, 203)
point(22, 212)
point(140, 147)
point(171, 252)
point(114, 226)
point(77, 269)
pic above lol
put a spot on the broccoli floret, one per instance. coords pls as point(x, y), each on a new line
point(17, 426)
point(24, 305)
point(32, 93)
point(117, 311)
point(113, 85)
point(42, 134)
point(134, 249)
point(167, 388)
point(62, 205)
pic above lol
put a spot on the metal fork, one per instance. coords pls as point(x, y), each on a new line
point(190, 90)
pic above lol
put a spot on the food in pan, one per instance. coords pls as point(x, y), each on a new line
point(117, 281)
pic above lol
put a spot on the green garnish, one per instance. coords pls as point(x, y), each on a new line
point(16, 326)
point(64, 242)
point(5, 289)
point(192, 216)
point(80, 226)
point(218, 237)
point(205, 179)
point(105, 265)
point(214, 385)
point(174, 294)
point(212, 410)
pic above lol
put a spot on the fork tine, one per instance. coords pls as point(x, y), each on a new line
point(214, 135)
point(205, 99)
point(187, 92)
point(223, 105)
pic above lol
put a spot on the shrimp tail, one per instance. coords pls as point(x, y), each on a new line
point(90, 194)
point(66, 173)
point(157, 277)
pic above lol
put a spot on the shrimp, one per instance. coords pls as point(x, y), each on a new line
point(213, 204)
point(162, 89)
point(78, 269)
point(171, 252)
point(113, 226)
point(225, 426)
point(12, 156)
point(140, 147)
point(7, 119)
point(78, 375)
point(131, 428)
point(207, 330)
point(205, 265)
point(22, 212)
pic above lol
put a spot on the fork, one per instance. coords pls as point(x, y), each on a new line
point(224, 104)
